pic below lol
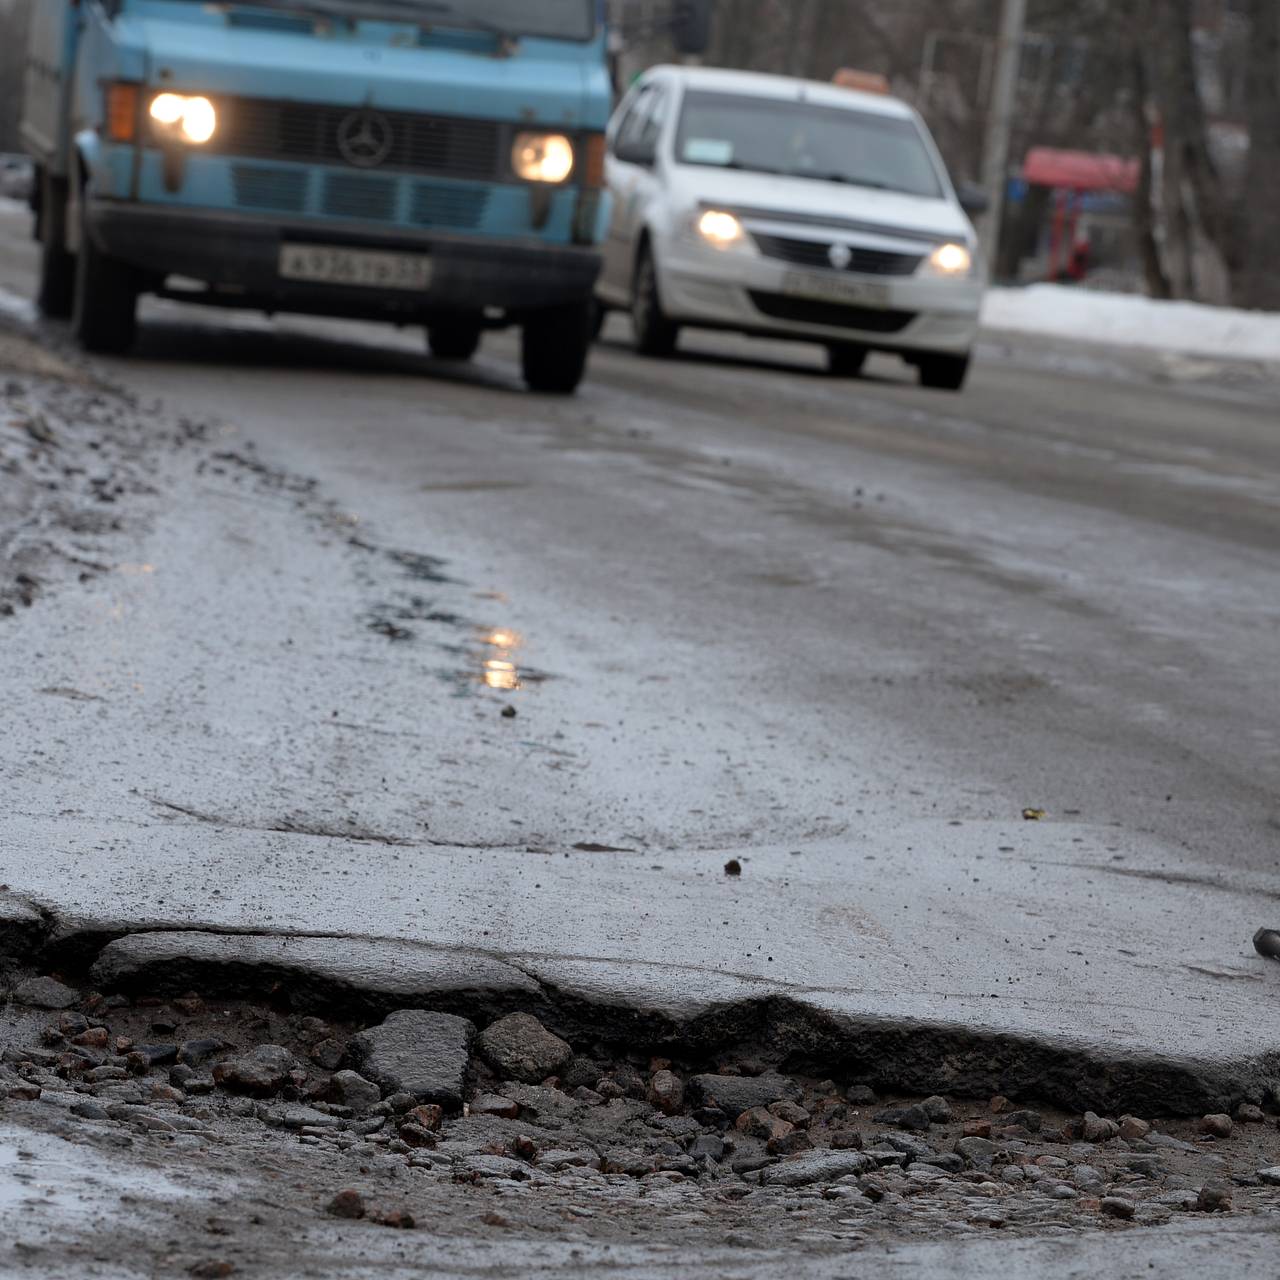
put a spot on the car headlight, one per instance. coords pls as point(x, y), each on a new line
point(954, 261)
point(183, 119)
point(543, 157)
point(721, 229)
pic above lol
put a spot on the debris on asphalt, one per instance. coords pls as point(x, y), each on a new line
point(1034, 815)
point(1267, 943)
point(733, 867)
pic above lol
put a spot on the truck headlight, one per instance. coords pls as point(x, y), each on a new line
point(954, 261)
point(721, 229)
point(542, 157)
point(184, 119)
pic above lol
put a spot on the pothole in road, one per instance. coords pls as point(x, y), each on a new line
point(495, 1123)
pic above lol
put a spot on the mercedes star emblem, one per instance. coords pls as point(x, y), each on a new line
point(365, 139)
point(840, 256)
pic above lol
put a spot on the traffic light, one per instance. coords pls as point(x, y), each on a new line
point(691, 26)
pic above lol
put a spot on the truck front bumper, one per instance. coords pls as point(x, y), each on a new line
point(237, 256)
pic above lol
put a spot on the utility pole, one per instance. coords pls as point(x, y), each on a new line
point(1004, 102)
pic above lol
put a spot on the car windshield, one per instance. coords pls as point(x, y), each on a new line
point(805, 140)
point(553, 19)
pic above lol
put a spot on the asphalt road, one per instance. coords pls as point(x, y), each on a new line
point(843, 632)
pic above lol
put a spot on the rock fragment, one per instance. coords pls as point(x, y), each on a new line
point(346, 1204)
point(351, 1089)
point(521, 1048)
point(1217, 1126)
point(735, 1094)
point(666, 1092)
point(1132, 1129)
point(817, 1166)
point(45, 993)
point(1099, 1129)
point(259, 1073)
point(419, 1053)
point(1214, 1197)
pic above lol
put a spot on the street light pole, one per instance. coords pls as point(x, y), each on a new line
point(1004, 101)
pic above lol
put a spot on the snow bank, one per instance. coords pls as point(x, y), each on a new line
point(1126, 320)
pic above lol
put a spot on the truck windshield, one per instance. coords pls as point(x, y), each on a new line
point(553, 19)
point(805, 140)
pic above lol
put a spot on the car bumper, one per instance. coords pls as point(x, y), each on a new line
point(238, 256)
point(752, 294)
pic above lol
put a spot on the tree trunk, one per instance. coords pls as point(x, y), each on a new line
point(1144, 222)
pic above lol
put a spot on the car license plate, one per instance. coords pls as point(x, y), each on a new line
point(366, 268)
point(832, 288)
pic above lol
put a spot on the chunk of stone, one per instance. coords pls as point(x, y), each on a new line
point(195, 1053)
point(259, 1073)
point(492, 1104)
point(1248, 1113)
point(977, 1153)
point(45, 993)
point(666, 1092)
point(521, 1048)
point(735, 1094)
point(351, 1089)
point(1214, 1197)
point(1118, 1207)
point(938, 1110)
point(1217, 1126)
point(1099, 1129)
point(1132, 1129)
point(347, 1204)
point(422, 1054)
point(1028, 1120)
point(817, 1166)
point(914, 1118)
point(1270, 1177)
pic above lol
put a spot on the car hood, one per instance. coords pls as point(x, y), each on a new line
point(810, 200)
point(204, 49)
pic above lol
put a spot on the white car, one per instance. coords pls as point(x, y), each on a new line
point(789, 209)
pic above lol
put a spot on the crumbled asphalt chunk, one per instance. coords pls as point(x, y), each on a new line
point(351, 1089)
point(262, 1072)
point(735, 1094)
point(977, 1153)
point(521, 1048)
point(45, 993)
point(423, 1054)
point(817, 1166)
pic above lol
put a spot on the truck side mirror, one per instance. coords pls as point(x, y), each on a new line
point(633, 152)
point(691, 27)
point(973, 199)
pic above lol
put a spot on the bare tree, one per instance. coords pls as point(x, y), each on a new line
point(1260, 285)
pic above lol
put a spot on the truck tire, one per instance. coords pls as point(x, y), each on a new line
point(845, 359)
point(104, 314)
point(655, 334)
point(56, 290)
point(555, 345)
point(944, 372)
point(458, 341)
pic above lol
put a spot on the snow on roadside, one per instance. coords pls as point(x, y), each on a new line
point(1127, 320)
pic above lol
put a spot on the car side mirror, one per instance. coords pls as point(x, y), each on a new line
point(973, 199)
point(642, 153)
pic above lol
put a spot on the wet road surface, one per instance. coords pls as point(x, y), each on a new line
point(844, 632)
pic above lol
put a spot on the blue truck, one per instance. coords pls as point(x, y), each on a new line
point(424, 162)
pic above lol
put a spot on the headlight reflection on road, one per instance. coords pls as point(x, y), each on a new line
point(502, 670)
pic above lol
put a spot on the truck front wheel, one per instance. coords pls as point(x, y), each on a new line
point(555, 347)
point(104, 315)
point(454, 341)
point(57, 267)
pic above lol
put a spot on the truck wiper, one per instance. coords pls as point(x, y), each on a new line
point(844, 180)
point(441, 8)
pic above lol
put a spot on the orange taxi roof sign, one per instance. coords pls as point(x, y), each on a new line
point(865, 81)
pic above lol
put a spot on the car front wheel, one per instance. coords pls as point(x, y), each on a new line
point(655, 334)
point(944, 372)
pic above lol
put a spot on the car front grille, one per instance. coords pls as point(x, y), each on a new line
point(308, 133)
point(831, 315)
point(817, 253)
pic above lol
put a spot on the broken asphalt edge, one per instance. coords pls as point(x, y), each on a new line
point(636, 1006)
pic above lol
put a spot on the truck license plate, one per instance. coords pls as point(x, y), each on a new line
point(824, 288)
point(367, 268)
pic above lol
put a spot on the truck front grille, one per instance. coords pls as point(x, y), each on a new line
point(279, 190)
point(349, 195)
point(311, 133)
point(439, 205)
